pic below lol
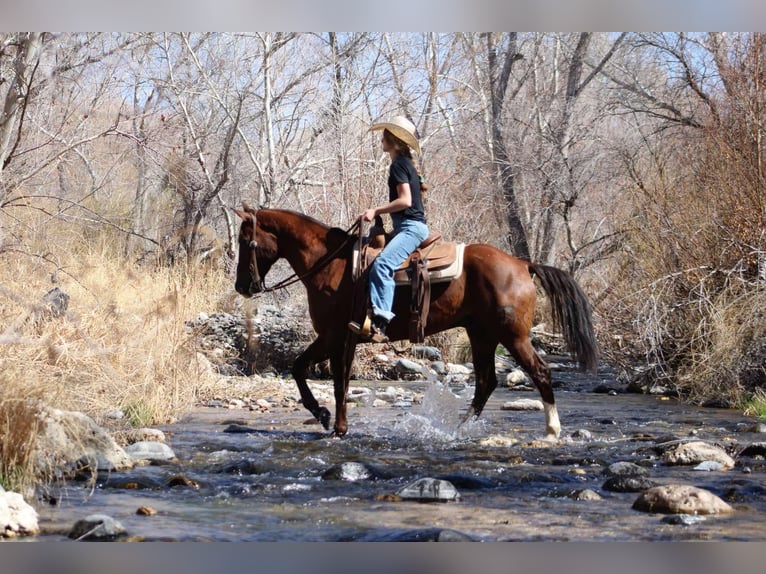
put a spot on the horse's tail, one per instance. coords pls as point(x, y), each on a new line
point(571, 313)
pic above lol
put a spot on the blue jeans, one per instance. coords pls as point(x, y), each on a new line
point(408, 234)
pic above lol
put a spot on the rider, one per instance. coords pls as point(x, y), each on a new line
point(405, 205)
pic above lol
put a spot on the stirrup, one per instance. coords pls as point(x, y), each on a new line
point(367, 332)
point(362, 330)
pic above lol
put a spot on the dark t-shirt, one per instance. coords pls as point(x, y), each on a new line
point(402, 171)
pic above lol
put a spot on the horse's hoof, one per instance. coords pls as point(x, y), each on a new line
point(324, 418)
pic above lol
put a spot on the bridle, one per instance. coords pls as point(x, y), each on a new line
point(294, 278)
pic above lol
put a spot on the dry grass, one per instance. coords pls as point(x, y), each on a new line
point(122, 343)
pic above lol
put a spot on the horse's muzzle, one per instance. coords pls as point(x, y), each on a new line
point(248, 289)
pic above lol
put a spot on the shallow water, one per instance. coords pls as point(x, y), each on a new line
point(272, 477)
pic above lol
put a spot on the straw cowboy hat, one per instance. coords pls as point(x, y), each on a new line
point(403, 129)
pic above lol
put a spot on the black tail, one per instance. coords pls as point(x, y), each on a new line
point(571, 313)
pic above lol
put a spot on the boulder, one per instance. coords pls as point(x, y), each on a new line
point(70, 441)
point(429, 490)
point(97, 527)
point(692, 453)
point(17, 518)
point(680, 499)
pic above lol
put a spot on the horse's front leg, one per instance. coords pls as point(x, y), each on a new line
point(341, 359)
point(315, 353)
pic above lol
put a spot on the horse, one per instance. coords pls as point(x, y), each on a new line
point(493, 299)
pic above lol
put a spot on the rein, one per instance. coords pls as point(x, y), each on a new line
point(317, 267)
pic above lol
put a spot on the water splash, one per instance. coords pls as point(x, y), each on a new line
point(437, 420)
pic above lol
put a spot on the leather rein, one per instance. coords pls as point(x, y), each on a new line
point(316, 268)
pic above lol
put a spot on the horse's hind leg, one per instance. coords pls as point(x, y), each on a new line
point(483, 351)
point(523, 351)
point(315, 353)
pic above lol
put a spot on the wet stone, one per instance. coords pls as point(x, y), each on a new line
point(693, 453)
point(100, 527)
point(683, 519)
point(348, 471)
point(624, 468)
point(151, 451)
point(754, 449)
point(681, 499)
point(523, 405)
point(585, 494)
point(429, 490)
point(628, 484)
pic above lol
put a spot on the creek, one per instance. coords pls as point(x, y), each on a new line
point(251, 476)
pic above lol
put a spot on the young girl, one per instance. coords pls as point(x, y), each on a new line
point(405, 205)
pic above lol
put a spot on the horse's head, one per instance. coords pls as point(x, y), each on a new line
point(257, 253)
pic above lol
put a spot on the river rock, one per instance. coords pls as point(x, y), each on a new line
point(696, 452)
point(585, 494)
point(628, 484)
point(429, 490)
point(523, 405)
point(754, 449)
point(151, 451)
point(516, 377)
point(349, 471)
point(680, 499)
point(625, 468)
point(405, 367)
point(455, 369)
point(139, 435)
point(97, 527)
point(17, 518)
point(426, 352)
point(70, 441)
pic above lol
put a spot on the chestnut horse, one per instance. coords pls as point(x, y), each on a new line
point(493, 299)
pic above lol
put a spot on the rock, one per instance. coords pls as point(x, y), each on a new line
point(680, 499)
point(523, 405)
point(17, 518)
point(151, 451)
point(407, 367)
point(439, 367)
point(429, 490)
point(55, 303)
point(683, 519)
point(695, 453)
point(348, 471)
point(582, 434)
point(428, 535)
point(139, 435)
point(98, 527)
point(453, 369)
point(624, 468)
point(754, 449)
point(516, 377)
point(359, 395)
point(628, 484)
point(585, 494)
point(498, 441)
point(71, 441)
point(709, 465)
point(426, 352)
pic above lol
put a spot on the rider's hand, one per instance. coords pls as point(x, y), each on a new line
point(368, 215)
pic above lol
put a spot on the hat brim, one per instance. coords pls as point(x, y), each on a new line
point(400, 133)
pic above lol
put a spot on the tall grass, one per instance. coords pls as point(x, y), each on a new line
point(121, 344)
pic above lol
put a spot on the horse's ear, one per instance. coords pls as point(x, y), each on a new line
point(240, 214)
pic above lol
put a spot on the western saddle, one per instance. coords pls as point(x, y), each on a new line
point(433, 261)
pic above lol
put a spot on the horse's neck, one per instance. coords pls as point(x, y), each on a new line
point(302, 245)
